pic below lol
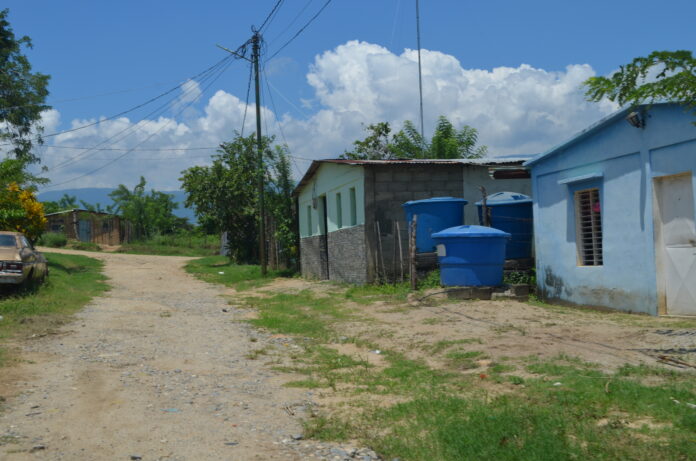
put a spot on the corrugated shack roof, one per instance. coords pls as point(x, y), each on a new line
point(501, 161)
point(80, 210)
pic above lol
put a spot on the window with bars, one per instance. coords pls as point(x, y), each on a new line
point(588, 216)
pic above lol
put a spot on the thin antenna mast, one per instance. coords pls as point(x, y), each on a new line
point(420, 79)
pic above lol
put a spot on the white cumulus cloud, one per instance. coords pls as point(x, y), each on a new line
point(517, 110)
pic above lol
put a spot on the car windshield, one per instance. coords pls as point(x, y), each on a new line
point(7, 241)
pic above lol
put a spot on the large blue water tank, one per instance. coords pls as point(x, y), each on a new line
point(471, 255)
point(434, 215)
point(512, 212)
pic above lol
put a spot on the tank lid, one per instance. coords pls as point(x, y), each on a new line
point(470, 231)
point(506, 198)
point(436, 200)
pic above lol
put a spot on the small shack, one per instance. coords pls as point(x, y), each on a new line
point(89, 226)
point(614, 214)
point(351, 219)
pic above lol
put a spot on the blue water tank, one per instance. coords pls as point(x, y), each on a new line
point(471, 255)
point(434, 215)
point(512, 212)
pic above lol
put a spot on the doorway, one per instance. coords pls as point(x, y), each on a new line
point(324, 231)
point(675, 244)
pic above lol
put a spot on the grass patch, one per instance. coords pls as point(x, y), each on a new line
point(183, 244)
point(563, 409)
point(74, 280)
point(219, 269)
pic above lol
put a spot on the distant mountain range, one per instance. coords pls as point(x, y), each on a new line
point(94, 195)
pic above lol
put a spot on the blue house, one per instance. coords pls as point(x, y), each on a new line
point(614, 214)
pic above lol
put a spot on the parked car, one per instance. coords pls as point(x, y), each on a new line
point(19, 262)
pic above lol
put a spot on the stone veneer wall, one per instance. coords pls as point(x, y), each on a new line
point(312, 257)
point(347, 257)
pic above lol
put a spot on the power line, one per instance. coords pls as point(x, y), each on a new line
point(301, 30)
point(219, 63)
point(145, 140)
point(246, 102)
point(82, 98)
point(144, 149)
point(271, 15)
point(280, 127)
point(133, 127)
point(293, 21)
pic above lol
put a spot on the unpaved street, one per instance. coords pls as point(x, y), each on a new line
point(153, 369)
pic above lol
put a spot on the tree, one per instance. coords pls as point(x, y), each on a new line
point(22, 94)
point(150, 214)
point(447, 142)
point(225, 195)
point(674, 80)
point(21, 212)
point(376, 146)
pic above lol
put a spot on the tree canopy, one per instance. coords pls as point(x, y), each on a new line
point(447, 142)
point(660, 76)
point(22, 94)
point(225, 196)
point(150, 214)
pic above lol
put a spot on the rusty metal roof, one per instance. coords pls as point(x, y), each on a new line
point(502, 161)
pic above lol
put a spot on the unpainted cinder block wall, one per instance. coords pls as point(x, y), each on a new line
point(387, 188)
point(347, 256)
point(313, 257)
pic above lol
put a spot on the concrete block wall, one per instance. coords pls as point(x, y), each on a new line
point(387, 187)
point(347, 256)
point(313, 257)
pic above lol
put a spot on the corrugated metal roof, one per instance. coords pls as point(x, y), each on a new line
point(81, 210)
point(501, 161)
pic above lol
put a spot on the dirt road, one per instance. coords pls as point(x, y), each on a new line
point(153, 370)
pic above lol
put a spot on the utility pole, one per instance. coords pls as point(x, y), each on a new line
point(255, 51)
point(255, 56)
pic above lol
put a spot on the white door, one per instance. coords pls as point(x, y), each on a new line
point(676, 243)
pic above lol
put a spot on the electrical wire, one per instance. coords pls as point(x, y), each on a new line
point(280, 127)
point(145, 140)
point(219, 63)
point(144, 149)
point(294, 20)
point(271, 15)
point(297, 34)
point(49, 105)
point(246, 103)
point(132, 128)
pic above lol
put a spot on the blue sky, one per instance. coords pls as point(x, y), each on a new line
point(511, 69)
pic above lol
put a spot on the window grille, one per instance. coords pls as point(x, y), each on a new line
point(588, 216)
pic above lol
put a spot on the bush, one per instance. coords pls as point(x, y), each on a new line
point(53, 240)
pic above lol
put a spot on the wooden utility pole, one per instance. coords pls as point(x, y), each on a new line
point(255, 48)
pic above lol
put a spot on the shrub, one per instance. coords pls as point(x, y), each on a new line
point(53, 240)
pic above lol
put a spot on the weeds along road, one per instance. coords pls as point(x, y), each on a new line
point(154, 369)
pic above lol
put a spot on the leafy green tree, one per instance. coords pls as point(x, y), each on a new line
point(22, 94)
point(447, 143)
point(674, 80)
point(150, 214)
point(225, 195)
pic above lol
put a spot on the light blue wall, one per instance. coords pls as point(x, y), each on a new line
point(622, 160)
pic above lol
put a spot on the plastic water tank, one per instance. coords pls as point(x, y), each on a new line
point(512, 212)
point(471, 255)
point(434, 215)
